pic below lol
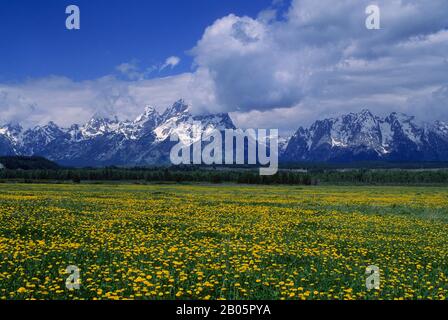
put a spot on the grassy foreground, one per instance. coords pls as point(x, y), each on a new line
point(229, 242)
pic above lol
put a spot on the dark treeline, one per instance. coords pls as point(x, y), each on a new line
point(27, 163)
point(243, 176)
point(155, 175)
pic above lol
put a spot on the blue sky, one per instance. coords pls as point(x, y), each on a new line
point(112, 32)
point(269, 63)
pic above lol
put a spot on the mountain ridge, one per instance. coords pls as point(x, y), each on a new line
point(103, 141)
point(366, 137)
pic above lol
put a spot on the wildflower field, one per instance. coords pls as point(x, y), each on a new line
point(222, 241)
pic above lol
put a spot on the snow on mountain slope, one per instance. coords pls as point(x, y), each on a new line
point(178, 121)
point(12, 132)
point(146, 139)
point(364, 136)
point(105, 141)
point(441, 128)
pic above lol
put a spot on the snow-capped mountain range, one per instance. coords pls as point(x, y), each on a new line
point(102, 141)
point(146, 140)
point(366, 137)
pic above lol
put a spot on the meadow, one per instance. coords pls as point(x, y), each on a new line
point(222, 241)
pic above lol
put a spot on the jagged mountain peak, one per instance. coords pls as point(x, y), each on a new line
point(178, 120)
point(51, 124)
point(149, 114)
point(98, 119)
point(49, 129)
point(366, 116)
point(219, 120)
point(179, 108)
point(12, 132)
point(149, 109)
point(107, 141)
point(362, 117)
point(365, 112)
point(12, 127)
point(99, 125)
point(180, 104)
point(364, 136)
point(399, 117)
point(42, 135)
point(104, 141)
